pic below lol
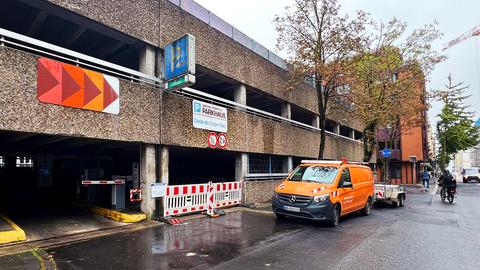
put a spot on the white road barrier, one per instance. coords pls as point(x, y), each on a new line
point(185, 199)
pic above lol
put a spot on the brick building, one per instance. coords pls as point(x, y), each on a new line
point(410, 150)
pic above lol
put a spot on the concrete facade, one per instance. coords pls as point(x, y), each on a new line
point(160, 120)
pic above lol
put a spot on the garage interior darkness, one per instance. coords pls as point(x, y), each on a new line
point(194, 166)
point(41, 175)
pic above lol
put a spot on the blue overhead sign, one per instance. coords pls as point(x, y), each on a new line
point(180, 58)
point(387, 152)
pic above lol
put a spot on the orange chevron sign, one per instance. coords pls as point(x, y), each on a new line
point(72, 86)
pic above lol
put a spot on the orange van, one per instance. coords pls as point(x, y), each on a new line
point(324, 191)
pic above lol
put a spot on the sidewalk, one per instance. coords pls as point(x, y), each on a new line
point(34, 260)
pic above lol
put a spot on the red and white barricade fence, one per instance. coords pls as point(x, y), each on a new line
point(227, 194)
point(184, 199)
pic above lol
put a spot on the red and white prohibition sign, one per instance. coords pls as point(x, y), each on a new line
point(219, 140)
point(222, 140)
point(212, 139)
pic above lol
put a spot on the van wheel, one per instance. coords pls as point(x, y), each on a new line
point(335, 216)
point(367, 209)
point(280, 216)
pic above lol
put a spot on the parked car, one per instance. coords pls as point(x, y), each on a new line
point(325, 191)
point(469, 174)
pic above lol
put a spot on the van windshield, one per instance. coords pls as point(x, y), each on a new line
point(319, 174)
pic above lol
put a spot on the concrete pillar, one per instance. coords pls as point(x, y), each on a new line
point(241, 166)
point(240, 94)
point(351, 133)
point(147, 177)
point(316, 121)
point(287, 110)
point(163, 172)
point(164, 163)
point(147, 61)
point(159, 65)
point(241, 169)
point(287, 165)
point(336, 129)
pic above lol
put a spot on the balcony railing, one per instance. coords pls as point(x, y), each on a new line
point(40, 48)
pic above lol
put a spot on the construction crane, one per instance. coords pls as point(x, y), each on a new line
point(472, 33)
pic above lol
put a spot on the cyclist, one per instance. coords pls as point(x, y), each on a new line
point(448, 183)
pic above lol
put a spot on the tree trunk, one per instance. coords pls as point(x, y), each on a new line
point(369, 141)
point(322, 112)
point(323, 124)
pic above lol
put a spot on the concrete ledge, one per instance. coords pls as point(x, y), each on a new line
point(118, 216)
point(14, 235)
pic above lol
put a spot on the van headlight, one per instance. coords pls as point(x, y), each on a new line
point(321, 198)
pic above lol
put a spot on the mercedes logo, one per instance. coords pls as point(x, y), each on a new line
point(292, 199)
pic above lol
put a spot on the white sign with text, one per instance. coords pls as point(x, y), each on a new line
point(208, 116)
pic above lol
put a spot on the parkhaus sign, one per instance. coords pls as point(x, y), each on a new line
point(208, 116)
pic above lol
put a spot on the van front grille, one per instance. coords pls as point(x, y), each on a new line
point(295, 200)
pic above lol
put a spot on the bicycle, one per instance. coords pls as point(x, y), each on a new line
point(448, 193)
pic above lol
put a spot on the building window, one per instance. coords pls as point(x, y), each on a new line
point(265, 164)
point(395, 170)
point(24, 162)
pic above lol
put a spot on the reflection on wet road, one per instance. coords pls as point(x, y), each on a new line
point(197, 243)
point(425, 234)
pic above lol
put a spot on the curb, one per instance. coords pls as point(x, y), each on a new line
point(118, 216)
point(111, 214)
point(17, 234)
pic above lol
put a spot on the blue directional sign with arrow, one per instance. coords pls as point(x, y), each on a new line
point(387, 152)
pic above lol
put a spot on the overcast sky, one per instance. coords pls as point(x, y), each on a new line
point(455, 17)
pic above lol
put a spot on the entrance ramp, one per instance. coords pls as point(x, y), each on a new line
point(9, 231)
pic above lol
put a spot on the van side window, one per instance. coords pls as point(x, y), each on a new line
point(345, 178)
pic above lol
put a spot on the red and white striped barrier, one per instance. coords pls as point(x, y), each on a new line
point(184, 199)
point(104, 182)
point(227, 194)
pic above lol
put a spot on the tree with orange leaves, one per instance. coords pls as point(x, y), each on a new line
point(388, 81)
point(320, 43)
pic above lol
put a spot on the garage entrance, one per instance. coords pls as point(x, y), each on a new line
point(41, 178)
point(195, 166)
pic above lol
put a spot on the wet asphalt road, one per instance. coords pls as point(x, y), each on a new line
point(425, 234)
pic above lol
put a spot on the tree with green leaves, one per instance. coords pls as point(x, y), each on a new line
point(456, 129)
point(320, 43)
point(388, 81)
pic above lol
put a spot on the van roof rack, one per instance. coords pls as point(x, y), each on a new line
point(322, 161)
point(337, 162)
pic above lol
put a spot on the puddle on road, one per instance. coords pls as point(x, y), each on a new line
point(202, 243)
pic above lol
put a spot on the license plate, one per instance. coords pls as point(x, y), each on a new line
point(291, 209)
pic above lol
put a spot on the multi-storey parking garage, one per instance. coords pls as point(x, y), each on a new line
point(82, 98)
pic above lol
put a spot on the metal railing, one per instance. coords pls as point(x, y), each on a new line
point(193, 93)
point(41, 48)
point(25, 43)
point(265, 176)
